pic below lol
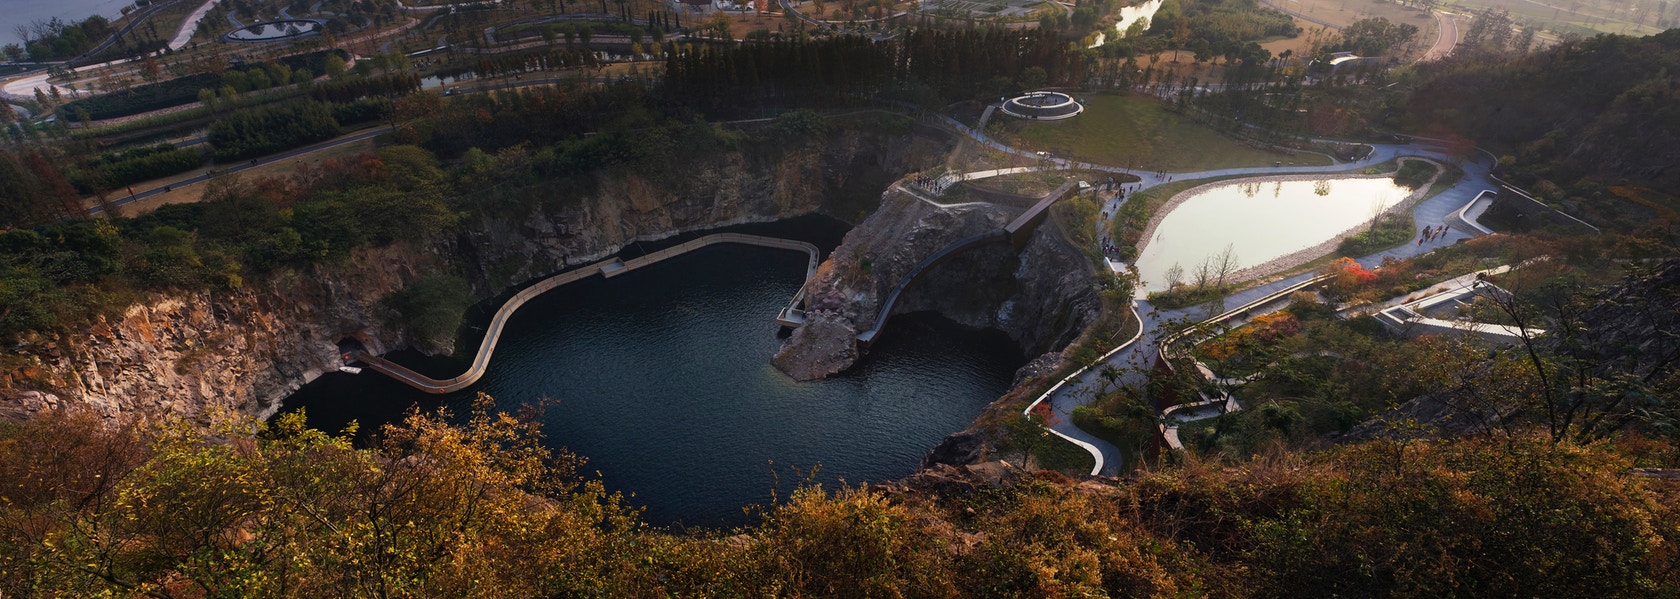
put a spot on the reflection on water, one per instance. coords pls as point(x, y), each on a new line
point(1252, 227)
point(661, 377)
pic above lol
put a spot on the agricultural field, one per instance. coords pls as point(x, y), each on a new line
point(1139, 132)
point(986, 9)
point(1568, 16)
point(1341, 13)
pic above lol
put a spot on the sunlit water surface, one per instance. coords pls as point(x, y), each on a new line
point(1260, 222)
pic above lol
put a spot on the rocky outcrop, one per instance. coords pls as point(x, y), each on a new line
point(1042, 296)
point(237, 352)
point(244, 351)
point(548, 235)
point(825, 345)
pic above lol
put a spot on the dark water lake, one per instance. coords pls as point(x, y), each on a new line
point(661, 378)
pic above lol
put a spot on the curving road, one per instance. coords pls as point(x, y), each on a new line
point(1449, 32)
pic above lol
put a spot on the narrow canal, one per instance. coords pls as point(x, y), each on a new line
point(662, 378)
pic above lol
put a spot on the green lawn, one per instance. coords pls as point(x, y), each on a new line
point(1139, 132)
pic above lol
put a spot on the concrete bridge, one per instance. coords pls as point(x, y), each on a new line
point(1020, 230)
point(606, 268)
point(1017, 232)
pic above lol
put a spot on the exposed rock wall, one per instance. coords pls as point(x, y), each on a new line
point(1043, 296)
point(245, 351)
point(720, 191)
point(240, 351)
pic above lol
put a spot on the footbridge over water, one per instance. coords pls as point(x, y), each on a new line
point(606, 268)
point(1018, 232)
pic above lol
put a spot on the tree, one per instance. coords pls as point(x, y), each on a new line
point(1174, 276)
point(1598, 362)
point(431, 308)
point(335, 66)
point(149, 70)
point(1025, 435)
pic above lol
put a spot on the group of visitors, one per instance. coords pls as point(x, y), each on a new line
point(1111, 250)
point(935, 185)
point(1432, 234)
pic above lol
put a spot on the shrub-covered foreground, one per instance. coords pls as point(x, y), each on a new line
point(482, 509)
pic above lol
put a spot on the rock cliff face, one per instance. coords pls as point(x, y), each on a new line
point(717, 191)
point(240, 352)
point(1042, 296)
point(245, 351)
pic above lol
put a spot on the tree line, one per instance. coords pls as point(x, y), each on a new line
point(924, 65)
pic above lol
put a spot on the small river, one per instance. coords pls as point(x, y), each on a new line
point(1260, 222)
point(661, 377)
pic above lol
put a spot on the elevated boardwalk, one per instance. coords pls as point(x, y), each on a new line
point(868, 337)
point(1018, 232)
point(606, 268)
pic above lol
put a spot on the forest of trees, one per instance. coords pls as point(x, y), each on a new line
point(1375, 37)
point(269, 129)
point(115, 170)
point(290, 70)
point(1206, 29)
point(1601, 109)
point(54, 39)
point(928, 65)
point(60, 273)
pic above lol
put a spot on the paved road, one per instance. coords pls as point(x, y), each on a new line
point(1449, 33)
point(331, 143)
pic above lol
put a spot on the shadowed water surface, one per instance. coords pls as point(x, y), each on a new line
point(661, 377)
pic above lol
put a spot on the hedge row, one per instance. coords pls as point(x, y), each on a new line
point(177, 91)
point(114, 171)
point(142, 98)
point(266, 130)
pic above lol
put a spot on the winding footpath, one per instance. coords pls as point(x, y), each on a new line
point(1137, 356)
point(610, 267)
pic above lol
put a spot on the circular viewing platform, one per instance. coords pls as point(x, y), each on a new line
point(274, 32)
point(1043, 106)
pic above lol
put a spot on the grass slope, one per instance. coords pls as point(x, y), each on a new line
point(1138, 132)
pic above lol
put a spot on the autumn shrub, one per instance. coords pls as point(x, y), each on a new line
point(1347, 278)
point(1484, 517)
point(478, 507)
point(852, 543)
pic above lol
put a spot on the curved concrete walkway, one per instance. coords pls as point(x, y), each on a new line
point(868, 337)
point(185, 32)
point(611, 267)
point(1136, 357)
